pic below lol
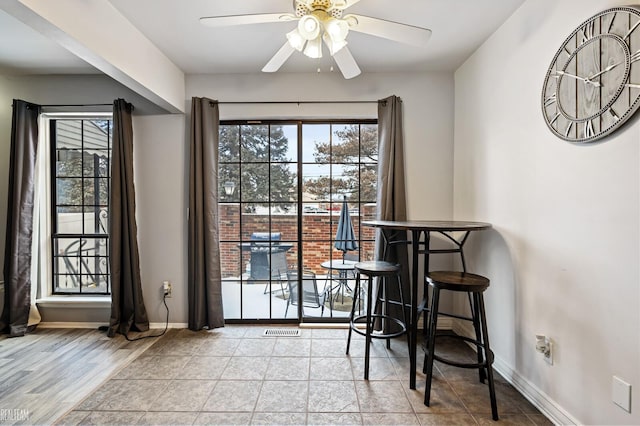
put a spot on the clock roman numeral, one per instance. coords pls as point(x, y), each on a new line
point(631, 85)
point(631, 30)
point(635, 56)
point(566, 132)
point(613, 114)
point(555, 117)
point(550, 100)
point(588, 129)
point(588, 31)
point(613, 17)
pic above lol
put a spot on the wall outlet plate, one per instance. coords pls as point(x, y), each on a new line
point(166, 288)
point(621, 393)
point(544, 345)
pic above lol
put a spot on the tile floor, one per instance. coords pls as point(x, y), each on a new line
point(234, 376)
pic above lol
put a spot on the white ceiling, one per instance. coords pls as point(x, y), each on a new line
point(25, 51)
point(459, 27)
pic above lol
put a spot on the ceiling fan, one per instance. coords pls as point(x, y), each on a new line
point(322, 21)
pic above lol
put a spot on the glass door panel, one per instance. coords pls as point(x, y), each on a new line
point(279, 210)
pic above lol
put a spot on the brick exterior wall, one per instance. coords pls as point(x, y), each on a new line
point(318, 232)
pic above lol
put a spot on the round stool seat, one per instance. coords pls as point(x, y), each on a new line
point(377, 268)
point(458, 281)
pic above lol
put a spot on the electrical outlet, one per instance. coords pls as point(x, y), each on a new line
point(166, 287)
point(548, 356)
point(544, 345)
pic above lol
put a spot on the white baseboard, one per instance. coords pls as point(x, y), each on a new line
point(161, 325)
point(54, 324)
point(537, 397)
point(152, 325)
point(445, 323)
point(531, 392)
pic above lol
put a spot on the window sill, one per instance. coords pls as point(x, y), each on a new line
point(59, 301)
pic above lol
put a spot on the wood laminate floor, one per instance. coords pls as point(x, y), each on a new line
point(46, 373)
point(234, 375)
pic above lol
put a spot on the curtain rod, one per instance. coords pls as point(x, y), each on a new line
point(294, 102)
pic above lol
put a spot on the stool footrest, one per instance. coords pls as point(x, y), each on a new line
point(489, 357)
point(359, 320)
point(465, 364)
point(394, 302)
point(462, 317)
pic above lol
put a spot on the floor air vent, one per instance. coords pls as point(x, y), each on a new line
point(281, 332)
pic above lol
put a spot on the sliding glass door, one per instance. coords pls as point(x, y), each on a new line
point(283, 187)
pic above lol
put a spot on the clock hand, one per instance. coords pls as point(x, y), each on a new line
point(586, 80)
point(609, 68)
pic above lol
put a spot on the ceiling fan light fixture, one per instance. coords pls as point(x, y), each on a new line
point(314, 48)
point(324, 22)
point(333, 44)
point(296, 40)
point(309, 27)
point(336, 28)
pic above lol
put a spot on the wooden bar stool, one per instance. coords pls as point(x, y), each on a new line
point(386, 272)
point(474, 285)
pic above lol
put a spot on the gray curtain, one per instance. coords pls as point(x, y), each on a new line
point(127, 304)
point(205, 282)
point(17, 254)
point(392, 202)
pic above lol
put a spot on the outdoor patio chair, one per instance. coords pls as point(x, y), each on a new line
point(310, 296)
point(278, 272)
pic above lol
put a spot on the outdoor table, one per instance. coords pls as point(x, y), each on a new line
point(343, 267)
point(417, 228)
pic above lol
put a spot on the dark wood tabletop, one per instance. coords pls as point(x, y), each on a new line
point(428, 225)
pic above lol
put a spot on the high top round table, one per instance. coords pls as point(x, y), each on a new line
point(417, 228)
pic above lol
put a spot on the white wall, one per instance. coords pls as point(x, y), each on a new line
point(162, 165)
point(160, 169)
point(564, 254)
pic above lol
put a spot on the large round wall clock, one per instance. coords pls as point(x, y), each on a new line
point(593, 83)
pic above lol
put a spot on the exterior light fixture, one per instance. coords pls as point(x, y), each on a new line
point(229, 188)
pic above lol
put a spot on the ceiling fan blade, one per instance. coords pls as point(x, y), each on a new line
point(261, 18)
point(279, 58)
point(346, 63)
point(395, 31)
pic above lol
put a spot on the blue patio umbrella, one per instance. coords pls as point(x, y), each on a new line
point(345, 236)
